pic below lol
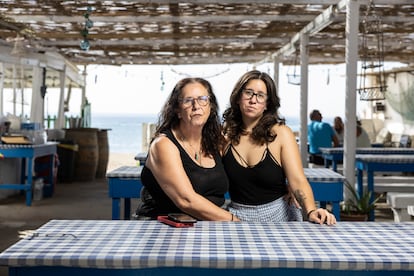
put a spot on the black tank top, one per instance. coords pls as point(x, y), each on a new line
point(260, 184)
point(211, 183)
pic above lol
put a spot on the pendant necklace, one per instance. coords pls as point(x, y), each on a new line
point(197, 154)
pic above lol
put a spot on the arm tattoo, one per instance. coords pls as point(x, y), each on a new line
point(300, 197)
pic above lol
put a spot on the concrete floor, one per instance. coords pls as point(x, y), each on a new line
point(77, 200)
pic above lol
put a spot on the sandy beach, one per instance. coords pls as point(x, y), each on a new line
point(117, 159)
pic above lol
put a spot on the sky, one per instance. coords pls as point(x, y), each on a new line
point(143, 89)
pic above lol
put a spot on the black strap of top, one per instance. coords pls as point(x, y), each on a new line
point(244, 160)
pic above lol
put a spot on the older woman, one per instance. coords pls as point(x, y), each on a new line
point(262, 153)
point(183, 171)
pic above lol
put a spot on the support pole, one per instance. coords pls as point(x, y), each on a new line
point(304, 60)
point(351, 56)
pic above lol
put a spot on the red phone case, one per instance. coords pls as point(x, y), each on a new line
point(166, 220)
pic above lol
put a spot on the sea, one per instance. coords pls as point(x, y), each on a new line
point(125, 131)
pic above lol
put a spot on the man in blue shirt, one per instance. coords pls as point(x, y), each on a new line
point(320, 135)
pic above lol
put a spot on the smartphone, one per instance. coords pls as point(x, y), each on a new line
point(179, 217)
point(168, 221)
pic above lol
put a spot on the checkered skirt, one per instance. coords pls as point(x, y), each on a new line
point(278, 210)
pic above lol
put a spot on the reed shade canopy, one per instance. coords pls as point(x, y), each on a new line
point(196, 32)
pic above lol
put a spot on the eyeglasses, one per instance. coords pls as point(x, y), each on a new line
point(201, 100)
point(30, 234)
point(248, 95)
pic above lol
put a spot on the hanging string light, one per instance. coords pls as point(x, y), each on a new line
point(203, 76)
point(84, 44)
point(372, 57)
point(162, 81)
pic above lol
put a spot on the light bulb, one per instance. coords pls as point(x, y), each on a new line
point(84, 44)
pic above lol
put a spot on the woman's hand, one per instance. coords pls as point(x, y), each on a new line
point(321, 216)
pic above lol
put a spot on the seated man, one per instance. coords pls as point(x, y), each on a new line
point(362, 137)
point(320, 135)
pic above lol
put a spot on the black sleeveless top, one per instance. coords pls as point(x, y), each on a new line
point(260, 184)
point(211, 183)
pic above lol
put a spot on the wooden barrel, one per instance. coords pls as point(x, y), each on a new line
point(103, 146)
point(86, 160)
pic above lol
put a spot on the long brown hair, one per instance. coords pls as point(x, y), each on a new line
point(212, 138)
point(232, 118)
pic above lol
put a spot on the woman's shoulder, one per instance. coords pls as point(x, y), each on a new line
point(161, 141)
point(282, 129)
point(162, 148)
point(284, 134)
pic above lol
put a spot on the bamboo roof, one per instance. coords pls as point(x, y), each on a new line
point(197, 32)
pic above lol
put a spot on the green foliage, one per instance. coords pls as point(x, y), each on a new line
point(359, 204)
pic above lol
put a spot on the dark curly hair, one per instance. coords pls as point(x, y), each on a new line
point(262, 133)
point(212, 138)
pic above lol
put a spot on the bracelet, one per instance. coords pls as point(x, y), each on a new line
point(311, 211)
point(232, 217)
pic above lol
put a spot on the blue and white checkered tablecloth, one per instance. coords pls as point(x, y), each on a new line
point(322, 175)
point(142, 157)
point(126, 172)
point(24, 146)
point(386, 158)
point(15, 146)
point(219, 245)
point(373, 150)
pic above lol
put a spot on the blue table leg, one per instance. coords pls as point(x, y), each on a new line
point(334, 165)
point(360, 182)
point(23, 171)
point(335, 210)
point(29, 185)
point(116, 202)
point(370, 175)
point(326, 162)
point(127, 208)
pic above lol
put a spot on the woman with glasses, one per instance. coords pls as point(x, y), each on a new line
point(262, 156)
point(183, 171)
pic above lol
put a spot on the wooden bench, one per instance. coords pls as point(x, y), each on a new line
point(394, 187)
point(399, 203)
point(393, 183)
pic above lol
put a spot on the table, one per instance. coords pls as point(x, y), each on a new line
point(372, 163)
point(124, 182)
point(327, 186)
point(99, 247)
point(141, 157)
point(28, 153)
point(336, 154)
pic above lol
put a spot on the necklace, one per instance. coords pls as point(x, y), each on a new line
point(197, 153)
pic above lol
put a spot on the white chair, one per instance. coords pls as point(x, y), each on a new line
point(410, 210)
point(399, 203)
